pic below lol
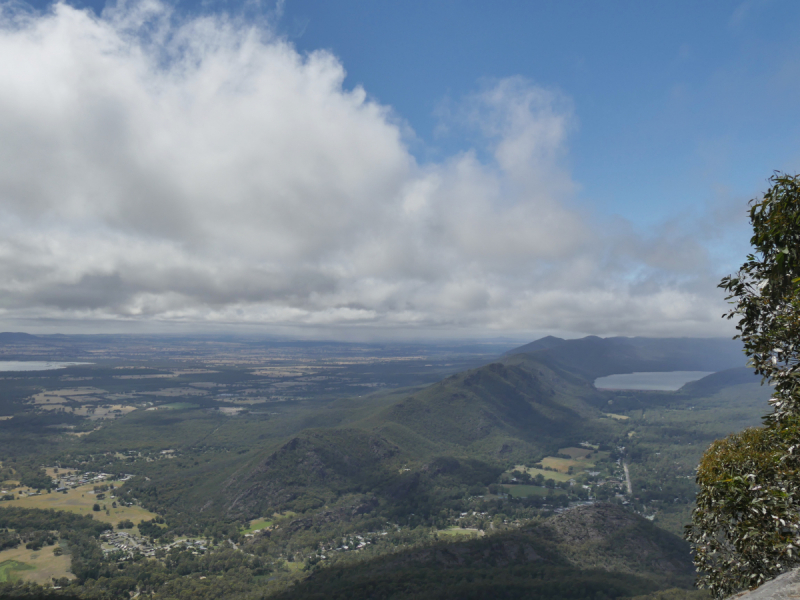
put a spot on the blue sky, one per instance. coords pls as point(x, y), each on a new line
point(677, 103)
point(648, 124)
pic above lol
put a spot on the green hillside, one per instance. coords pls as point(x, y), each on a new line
point(515, 410)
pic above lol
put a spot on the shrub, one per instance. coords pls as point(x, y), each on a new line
point(745, 525)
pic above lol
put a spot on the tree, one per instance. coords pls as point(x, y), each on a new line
point(765, 293)
point(746, 524)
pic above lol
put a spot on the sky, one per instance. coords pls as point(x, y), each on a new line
point(386, 170)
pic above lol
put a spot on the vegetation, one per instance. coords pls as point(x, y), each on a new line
point(746, 523)
point(309, 480)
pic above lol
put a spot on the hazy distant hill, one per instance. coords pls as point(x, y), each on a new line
point(12, 337)
point(593, 357)
point(590, 551)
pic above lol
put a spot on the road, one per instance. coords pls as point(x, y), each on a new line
point(628, 478)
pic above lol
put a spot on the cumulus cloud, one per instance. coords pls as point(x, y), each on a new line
point(203, 171)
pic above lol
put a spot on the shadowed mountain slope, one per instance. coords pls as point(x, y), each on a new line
point(582, 553)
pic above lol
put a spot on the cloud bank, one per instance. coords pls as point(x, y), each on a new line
point(202, 171)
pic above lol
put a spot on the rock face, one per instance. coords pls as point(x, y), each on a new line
point(783, 587)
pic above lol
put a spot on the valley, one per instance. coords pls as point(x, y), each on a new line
point(238, 468)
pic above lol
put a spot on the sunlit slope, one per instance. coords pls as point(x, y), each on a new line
point(508, 409)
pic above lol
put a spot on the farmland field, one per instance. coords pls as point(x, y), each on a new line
point(554, 475)
point(79, 500)
point(576, 453)
point(39, 566)
point(562, 465)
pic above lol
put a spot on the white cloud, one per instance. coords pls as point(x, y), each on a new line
point(206, 172)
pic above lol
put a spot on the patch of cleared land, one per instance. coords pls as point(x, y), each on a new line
point(576, 453)
point(79, 500)
point(561, 465)
point(581, 462)
point(554, 475)
point(616, 417)
point(94, 413)
point(82, 394)
point(39, 566)
point(56, 473)
point(258, 525)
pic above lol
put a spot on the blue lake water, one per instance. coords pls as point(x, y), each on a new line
point(36, 365)
point(668, 381)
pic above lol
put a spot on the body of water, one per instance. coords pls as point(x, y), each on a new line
point(668, 381)
point(36, 365)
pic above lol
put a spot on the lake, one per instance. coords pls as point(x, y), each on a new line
point(668, 381)
point(36, 365)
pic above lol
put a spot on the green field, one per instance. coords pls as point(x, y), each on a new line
point(258, 525)
point(9, 567)
point(554, 475)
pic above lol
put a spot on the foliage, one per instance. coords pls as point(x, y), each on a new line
point(745, 525)
point(766, 293)
point(746, 522)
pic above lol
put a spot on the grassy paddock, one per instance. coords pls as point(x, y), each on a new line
point(79, 500)
point(258, 525)
point(39, 566)
point(554, 475)
point(9, 568)
point(576, 453)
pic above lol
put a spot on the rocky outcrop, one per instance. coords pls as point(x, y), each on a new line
point(783, 587)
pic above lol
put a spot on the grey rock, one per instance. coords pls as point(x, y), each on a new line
point(783, 587)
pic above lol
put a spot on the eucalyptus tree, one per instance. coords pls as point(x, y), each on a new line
point(746, 524)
